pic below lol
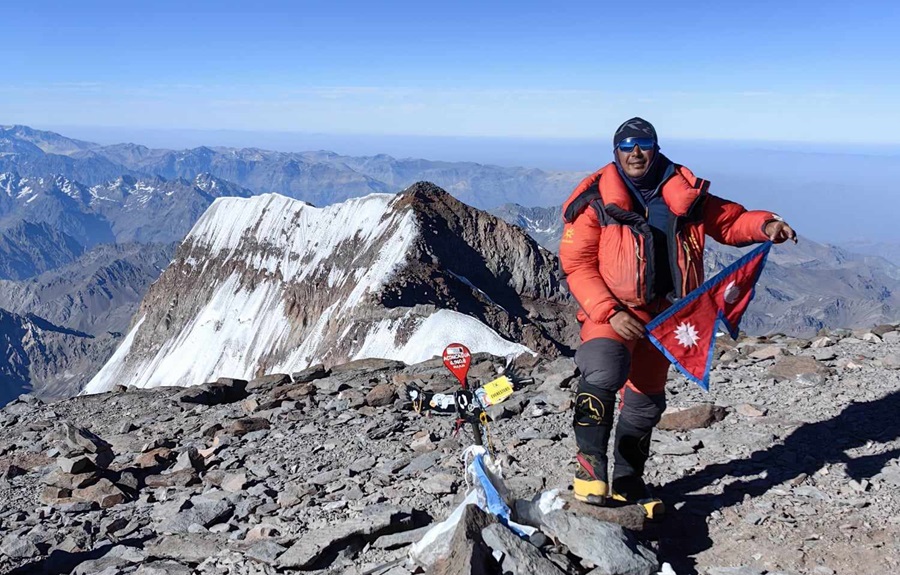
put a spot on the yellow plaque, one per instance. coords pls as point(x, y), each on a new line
point(498, 390)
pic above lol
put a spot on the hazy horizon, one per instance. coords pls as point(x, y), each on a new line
point(562, 154)
point(828, 194)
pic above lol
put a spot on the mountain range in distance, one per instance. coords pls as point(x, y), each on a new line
point(320, 178)
point(86, 230)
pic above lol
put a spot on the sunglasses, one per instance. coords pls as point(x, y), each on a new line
point(628, 144)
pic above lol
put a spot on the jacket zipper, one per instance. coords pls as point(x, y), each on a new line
point(673, 238)
point(637, 265)
point(698, 266)
point(687, 267)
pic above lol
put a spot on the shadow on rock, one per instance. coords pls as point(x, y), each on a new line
point(803, 453)
point(59, 562)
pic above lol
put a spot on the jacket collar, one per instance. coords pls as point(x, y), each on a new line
point(677, 191)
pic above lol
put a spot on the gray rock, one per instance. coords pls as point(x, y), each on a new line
point(381, 395)
point(519, 557)
point(18, 547)
point(792, 366)
point(127, 427)
point(498, 411)
point(696, 417)
point(204, 512)
point(292, 494)
point(823, 355)
point(191, 548)
point(369, 365)
point(310, 374)
point(822, 342)
point(76, 464)
point(402, 539)
point(327, 477)
point(234, 482)
point(439, 484)
point(466, 553)
point(422, 444)
point(421, 463)
point(189, 459)
point(103, 492)
point(889, 474)
point(608, 546)
point(674, 448)
point(163, 568)
point(265, 551)
point(891, 361)
point(271, 380)
point(891, 337)
point(316, 542)
point(750, 410)
point(363, 464)
point(225, 390)
point(80, 440)
point(769, 352)
point(102, 566)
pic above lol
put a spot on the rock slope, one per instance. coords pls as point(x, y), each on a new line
point(789, 466)
point(97, 293)
point(44, 359)
point(28, 249)
point(271, 283)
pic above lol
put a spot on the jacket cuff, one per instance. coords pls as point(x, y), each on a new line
point(604, 311)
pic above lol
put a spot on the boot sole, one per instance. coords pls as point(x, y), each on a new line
point(598, 500)
point(653, 508)
point(591, 491)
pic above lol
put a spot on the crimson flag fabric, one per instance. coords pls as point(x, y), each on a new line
point(686, 332)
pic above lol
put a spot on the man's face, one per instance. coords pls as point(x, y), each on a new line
point(636, 162)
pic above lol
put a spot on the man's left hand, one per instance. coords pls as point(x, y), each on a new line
point(780, 232)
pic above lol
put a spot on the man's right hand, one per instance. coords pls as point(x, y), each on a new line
point(627, 326)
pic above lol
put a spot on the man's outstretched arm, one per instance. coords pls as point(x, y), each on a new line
point(730, 223)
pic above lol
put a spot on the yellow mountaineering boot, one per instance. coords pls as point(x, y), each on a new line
point(588, 485)
point(634, 491)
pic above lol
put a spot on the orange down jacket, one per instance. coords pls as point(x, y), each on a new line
point(606, 249)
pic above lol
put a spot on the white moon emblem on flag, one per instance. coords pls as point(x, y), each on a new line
point(732, 293)
point(687, 335)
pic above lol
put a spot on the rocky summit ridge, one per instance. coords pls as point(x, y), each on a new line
point(274, 284)
point(789, 466)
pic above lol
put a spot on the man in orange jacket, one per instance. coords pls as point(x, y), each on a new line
point(632, 244)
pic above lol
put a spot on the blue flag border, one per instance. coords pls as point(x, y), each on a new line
point(707, 285)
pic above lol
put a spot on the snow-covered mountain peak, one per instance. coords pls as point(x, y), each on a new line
point(269, 283)
point(295, 240)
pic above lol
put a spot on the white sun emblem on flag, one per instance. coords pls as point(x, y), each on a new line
point(732, 293)
point(687, 335)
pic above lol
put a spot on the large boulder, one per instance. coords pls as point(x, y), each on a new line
point(696, 417)
point(611, 548)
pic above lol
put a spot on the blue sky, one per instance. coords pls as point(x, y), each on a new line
point(801, 71)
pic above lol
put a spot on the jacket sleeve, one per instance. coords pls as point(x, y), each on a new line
point(732, 224)
point(578, 257)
